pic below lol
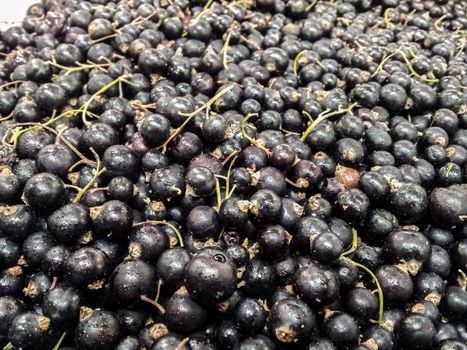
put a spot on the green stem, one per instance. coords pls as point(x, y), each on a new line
point(354, 245)
point(228, 191)
point(378, 287)
point(250, 139)
point(225, 49)
point(177, 232)
point(413, 71)
point(208, 4)
point(295, 62)
point(79, 162)
point(76, 188)
point(138, 20)
point(388, 12)
point(243, 3)
point(367, 270)
point(97, 173)
point(60, 341)
point(325, 115)
point(163, 222)
point(308, 115)
point(70, 146)
point(160, 21)
point(80, 67)
point(383, 61)
point(227, 180)
point(409, 16)
point(98, 93)
point(36, 126)
point(192, 115)
point(218, 194)
point(104, 38)
point(309, 7)
point(83, 158)
point(229, 194)
point(206, 9)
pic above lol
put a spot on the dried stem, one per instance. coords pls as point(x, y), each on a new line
point(387, 20)
point(153, 302)
point(11, 83)
point(227, 180)
point(182, 344)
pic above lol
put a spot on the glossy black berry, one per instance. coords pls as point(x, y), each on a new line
point(62, 305)
point(249, 316)
point(97, 329)
point(29, 330)
point(342, 329)
point(417, 331)
point(396, 283)
point(291, 321)
point(119, 160)
point(148, 243)
point(265, 206)
point(183, 315)
point(44, 192)
point(87, 268)
point(70, 222)
point(131, 280)
point(318, 285)
point(114, 218)
point(207, 286)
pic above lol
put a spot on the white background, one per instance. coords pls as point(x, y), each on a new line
point(13, 10)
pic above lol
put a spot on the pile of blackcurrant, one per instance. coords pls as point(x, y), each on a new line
point(234, 175)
